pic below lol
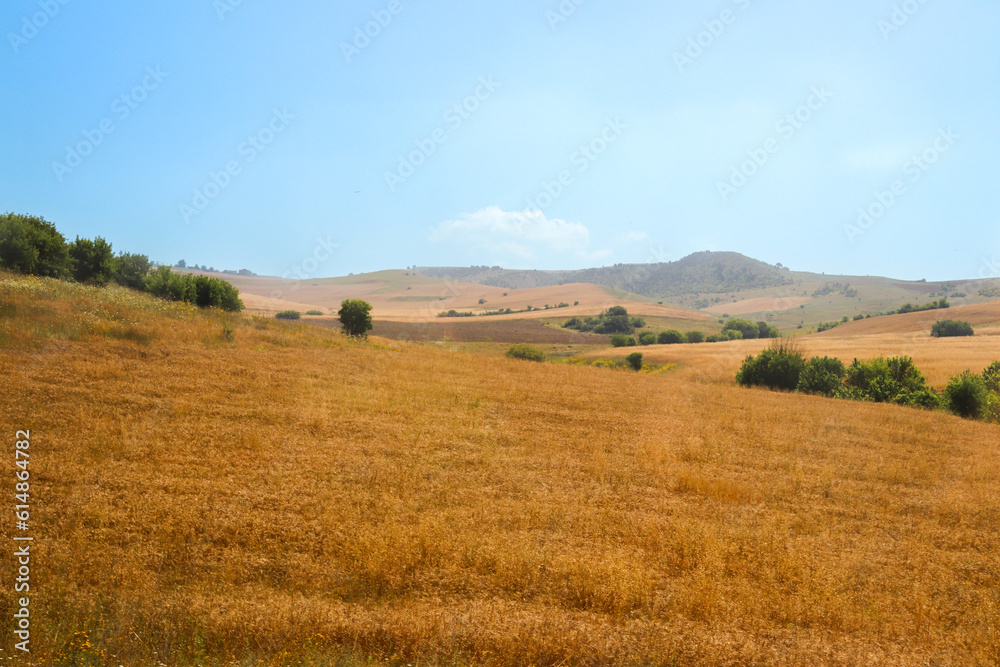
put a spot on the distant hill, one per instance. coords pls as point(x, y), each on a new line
point(700, 273)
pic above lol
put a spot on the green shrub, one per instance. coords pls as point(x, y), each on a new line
point(355, 317)
point(670, 337)
point(746, 328)
point(966, 395)
point(822, 375)
point(894, 380)
point(130, 270)
point(991, 377)
point(647, 338)
point(314, 312)
point(634, 360)
point(289, 315)
point(91, 262)
point(621, 340)
point(991, 411)
point(526, 352)
point(33, 245)
point(951, 328)
point(614, 320)
point(777, 367)
point(205, 291)
point(695, 337)
point(767, 331)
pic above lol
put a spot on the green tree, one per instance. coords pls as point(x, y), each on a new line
point(355, 317)
point(767, 331)
point(966, 395)
point(647, 338)
point(614, 320)
point(778, 367)
point(991, 377)
point(695, 337)
point(747, 328)
point(130, 270)
point(822, 375)
point(92, 261)
point(634, 361)
point(32, 245)
point(621, 340)
point(949, 328)
point(670, 337)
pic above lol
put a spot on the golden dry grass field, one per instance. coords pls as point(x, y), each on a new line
point(226, 490)
point(938, 358)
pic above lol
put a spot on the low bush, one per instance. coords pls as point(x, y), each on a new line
point(951, 328)
point(634, 361)
point(670, 337)
point(289, 315)
point(647, 338)
point(777, 367)
point(894, 380)
point(746, 328)
point(621, 340)
point(823, 376)
point(966, 395)
point(695, 337)
point(526, 352)
point(991, 377)
point(991, 411)
point(314, 312)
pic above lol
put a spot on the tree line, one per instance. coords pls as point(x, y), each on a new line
point(32, 245)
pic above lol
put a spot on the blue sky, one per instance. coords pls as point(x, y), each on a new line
point(853, 137)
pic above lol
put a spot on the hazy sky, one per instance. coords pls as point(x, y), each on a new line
point(245, 133)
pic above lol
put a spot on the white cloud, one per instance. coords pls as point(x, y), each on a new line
point(633, 236)
point(521, 233)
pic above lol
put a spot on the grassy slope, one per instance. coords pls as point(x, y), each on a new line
point(289, 495)
point(875, 294)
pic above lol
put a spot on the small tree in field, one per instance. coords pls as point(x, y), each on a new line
point(634, 361)
point(355, 317)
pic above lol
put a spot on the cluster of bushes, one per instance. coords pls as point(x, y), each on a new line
point(933, 305)
point(203, 291)
point(748, 329)
point(32, 245)
point(455, 313)
point(908, 308)
point(951, 328)
point(990, 292)
point(894, 380)
point(526, 352)
point(615, 320)
point(826, 326)
point(734, 329)
point(668, 337)
point(289, 315)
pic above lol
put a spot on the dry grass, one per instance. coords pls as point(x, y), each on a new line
point(294, 498)
point(716, 363)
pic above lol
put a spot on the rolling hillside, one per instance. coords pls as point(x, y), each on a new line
point(405, 296)
point(225, 489)
point(708, 272)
